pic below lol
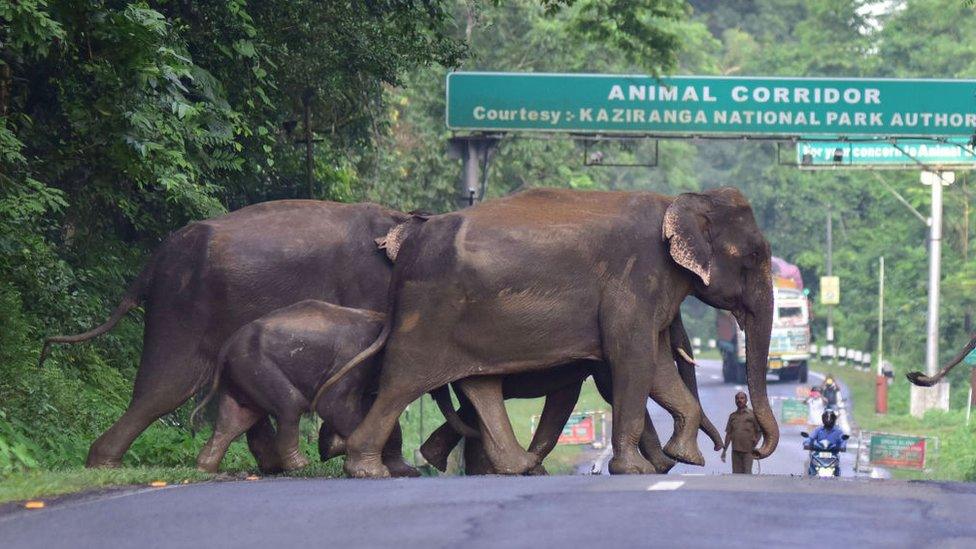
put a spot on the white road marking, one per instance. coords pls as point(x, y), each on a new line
point(715, 377)
point(666, 485)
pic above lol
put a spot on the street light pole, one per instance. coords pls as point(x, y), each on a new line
point(881, 382)
point(922, 398)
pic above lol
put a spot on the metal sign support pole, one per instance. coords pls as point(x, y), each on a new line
point(475, 151)
point(830, 272)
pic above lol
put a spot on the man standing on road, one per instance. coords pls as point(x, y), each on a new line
point(742, 432)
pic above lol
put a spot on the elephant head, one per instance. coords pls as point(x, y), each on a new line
point(714, 236)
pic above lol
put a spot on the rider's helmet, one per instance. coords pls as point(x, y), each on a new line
point(829, 418)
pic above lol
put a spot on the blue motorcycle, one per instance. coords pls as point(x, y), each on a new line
point(824, 460)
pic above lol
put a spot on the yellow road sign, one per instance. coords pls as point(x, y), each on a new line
point(830, 290)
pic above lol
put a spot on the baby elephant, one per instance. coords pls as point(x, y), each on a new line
point(274, 364)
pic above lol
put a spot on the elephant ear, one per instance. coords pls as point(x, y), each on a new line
point(683, 230)
point(395, 236)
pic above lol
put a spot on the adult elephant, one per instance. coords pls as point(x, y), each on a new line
point(547, 277)
point(561, 386)
point(211, 277)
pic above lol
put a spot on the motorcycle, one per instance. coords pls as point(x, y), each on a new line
point(824, 461)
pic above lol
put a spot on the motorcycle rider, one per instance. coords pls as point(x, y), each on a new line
point(829, 432)
point(830, 392)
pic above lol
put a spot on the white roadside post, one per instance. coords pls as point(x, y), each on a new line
point(927, 398)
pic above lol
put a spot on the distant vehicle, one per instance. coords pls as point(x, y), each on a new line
point(824, 461)
point(789, 344)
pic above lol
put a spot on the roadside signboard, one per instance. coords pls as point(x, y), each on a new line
point(794, 412)
point(692, 106)
point(580, 429)
point(903, 153)
point(898, 451)
point(829, 290)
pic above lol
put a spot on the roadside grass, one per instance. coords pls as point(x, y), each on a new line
point(48, 483)
point(44, 484)
point(955, 456)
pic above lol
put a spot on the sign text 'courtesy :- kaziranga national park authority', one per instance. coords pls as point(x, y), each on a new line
point(704, 105)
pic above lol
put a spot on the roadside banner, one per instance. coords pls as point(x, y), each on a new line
point(580, 429)
point(898, 451)
point(794, 412)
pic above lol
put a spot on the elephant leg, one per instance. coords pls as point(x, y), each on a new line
point(559, 406)
point(438, 446)
point(498, 438)
point(260, 440)
point(680, 340)
point(668, 390)
point(160, 388)
point(233, 419)
point(331, 443)
point(393, 456)
point(286, 440)
point(476, 461)
point(630, 373)
point(399, 386)
point(690, 378)
point(650, 443)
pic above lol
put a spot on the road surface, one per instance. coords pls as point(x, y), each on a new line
point(717, 400)
point(473, 512)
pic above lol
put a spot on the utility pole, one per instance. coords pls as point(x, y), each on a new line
point(307, 115)
point(830, 272)
point(922, 398)
point(881, 382)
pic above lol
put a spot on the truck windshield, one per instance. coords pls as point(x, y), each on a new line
point(792, 316)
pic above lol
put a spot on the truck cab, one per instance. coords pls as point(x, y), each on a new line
point(789, 344)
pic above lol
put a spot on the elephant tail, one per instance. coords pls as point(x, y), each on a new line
point(214, 384)
point(442, 397)
point(355, 361)
point(922, 380)
point(134, 295)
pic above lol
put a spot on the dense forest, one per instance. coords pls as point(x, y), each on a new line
point(122, 121)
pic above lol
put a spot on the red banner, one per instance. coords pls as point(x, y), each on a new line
point(579, 429)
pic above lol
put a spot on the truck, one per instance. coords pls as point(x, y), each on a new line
point(789, 344)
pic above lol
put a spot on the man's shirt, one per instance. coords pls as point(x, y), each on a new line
point(743, 429)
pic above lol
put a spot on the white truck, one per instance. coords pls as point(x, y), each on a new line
point(789, 344)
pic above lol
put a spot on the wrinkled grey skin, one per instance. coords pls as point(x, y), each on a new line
point(272, 366)
point(561, 387)
point(211, 277)
point(548, 277)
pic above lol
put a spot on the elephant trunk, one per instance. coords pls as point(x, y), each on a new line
point(758, 326)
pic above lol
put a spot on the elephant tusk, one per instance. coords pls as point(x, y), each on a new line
point(687, 358)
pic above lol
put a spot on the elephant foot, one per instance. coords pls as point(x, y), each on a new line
point(435, 455)
point(96, 461)
point(518, 464)
point(662, 463)
point(684, 451)
point(537, 471)
point(630, 465)
point(399, 468)
point(294, 460)
point(331, 447)
point(365, 467)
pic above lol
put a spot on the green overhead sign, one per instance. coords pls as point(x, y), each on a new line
point(910, 153)
point(689, 106)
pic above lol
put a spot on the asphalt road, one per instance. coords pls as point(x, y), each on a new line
point(471, 512)
point(717, 400)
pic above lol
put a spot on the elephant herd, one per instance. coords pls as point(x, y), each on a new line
point(353, 311)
